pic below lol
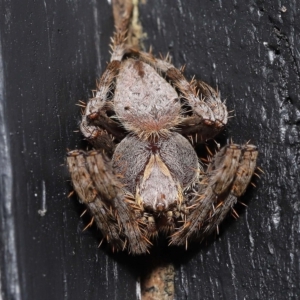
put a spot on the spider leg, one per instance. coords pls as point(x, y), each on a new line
point(98, 108)
point(114, 210)
point(204, 128)
point(122, 11)
point(95, 114)
point(227, 178)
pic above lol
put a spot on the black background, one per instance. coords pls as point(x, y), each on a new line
point(51, 52)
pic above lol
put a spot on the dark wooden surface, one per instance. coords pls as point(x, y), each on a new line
point(51, 53)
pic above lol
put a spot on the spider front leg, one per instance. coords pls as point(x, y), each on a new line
point(205, 128)
point(227, 178)
point(98, 111)
point(112, 208)
point(95, 115)
point(209, 113)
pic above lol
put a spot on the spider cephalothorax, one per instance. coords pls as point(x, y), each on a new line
point(144, 175)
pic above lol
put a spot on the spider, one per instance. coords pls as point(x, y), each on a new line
point(143, 176)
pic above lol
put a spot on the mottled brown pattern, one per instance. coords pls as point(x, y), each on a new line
point(158, 283)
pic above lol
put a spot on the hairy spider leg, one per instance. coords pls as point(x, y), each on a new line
point(226, 179)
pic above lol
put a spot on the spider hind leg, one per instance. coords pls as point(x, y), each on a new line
point(226, 179)
point(114, 210)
